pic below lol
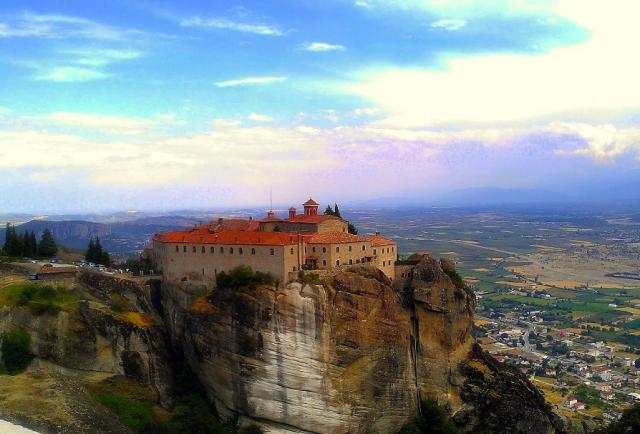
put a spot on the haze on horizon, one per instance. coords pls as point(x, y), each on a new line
point(175, 105)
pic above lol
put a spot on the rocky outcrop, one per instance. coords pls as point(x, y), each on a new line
point(94, 337)
point(353, 355)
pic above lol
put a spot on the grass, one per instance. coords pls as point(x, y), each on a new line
point(40, 299)
point(16, 355)
point(134, 406)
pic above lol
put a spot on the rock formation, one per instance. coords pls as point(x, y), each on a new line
point(353, 355)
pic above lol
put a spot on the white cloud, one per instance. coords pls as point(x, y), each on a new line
point(366, 111)
point(117, 125)
point(259, 118)
point(70, 74)
point(323, 46)
point(53, 26)
point(604, 143)
point(450, 24)
point(363, 4)
point(250, 81)
point(225, 24)
point(97, 57)
point(586, 80)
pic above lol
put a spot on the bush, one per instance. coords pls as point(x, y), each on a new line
point(309, 278)
point(628, 423)
point(242, 276)
point(15, 351)
point(434, 420)
point(41, 299)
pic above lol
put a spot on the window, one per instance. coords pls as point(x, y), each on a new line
point(193, 249)
point(231, 250)
point(350, 248)
point(272, 252)
point(357, 261)
point(184, 249)
point(294, 268)
point(338, 262)
point(363, 248)
point(313, 249)
point(324, 250)
point(239, 250)
point(177, 248)
point(292, 250)
point(253, 251)
point(337, 249)
point(392, 249)
point(324, 262)
point(221, 250)
point(375, 252)
point(203, 250)
point(350, 261)
point(213, 249)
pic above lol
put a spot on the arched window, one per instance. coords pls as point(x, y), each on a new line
point(203, 250)
point(231, 250)
point(272, 252)
point(324, 262)
point(363, 248)
point(324, 250)
point(213, 249)
point(193, 249)
point(294, 268)
point(338, 262)
point(239, 250)
point(222, 250)
point(337, 249)
point(350, 261)
point(184, 249)
point(177, 248)
point(253, 251)
point(313, 249)
point(350, 248)
point(375, 252)
point(292, 252)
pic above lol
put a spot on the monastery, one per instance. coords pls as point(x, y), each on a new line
point(279, 246)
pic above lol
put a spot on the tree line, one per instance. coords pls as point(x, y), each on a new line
point(335, 211)
point(27, 245)
point(96, 254)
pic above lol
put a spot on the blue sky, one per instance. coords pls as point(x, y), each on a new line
point(110, 105)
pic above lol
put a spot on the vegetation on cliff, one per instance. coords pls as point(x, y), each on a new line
point(16, 355)
point(242, 276)
point(40, 299)
point(433, 420)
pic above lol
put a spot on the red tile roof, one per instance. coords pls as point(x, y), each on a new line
point(378, 241)
point(311, 202)
point(229, 237)
point(232, 225)
point(334, 238)
point(55, 270)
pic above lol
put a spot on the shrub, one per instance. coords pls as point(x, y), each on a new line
point(41, 299)
point(309, 278)
point(434, 420)
point(15, 351)
point(242, 276)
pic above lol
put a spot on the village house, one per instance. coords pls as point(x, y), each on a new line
point(275, 245)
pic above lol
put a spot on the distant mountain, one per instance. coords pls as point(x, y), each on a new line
point(500, 196)
point(119, 238)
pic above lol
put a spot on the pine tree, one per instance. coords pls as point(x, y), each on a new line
point(91, 251)
point(34, 243)
point(352, 229)
point(48, 246)
point(336, 211)
point(329, 210)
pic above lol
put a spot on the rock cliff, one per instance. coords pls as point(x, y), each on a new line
point(352, 355)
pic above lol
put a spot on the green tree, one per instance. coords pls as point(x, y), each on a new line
point(336, 211)
point(434, 420)
point(352, 229)
point(329, 211)
point(47, 247)
point(628, 423)
point(12, 243)
point(15, 351)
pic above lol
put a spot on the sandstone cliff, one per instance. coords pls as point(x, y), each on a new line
point(353, 355)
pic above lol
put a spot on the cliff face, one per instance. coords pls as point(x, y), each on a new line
point(353, 355)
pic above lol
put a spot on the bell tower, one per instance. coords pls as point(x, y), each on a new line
point(311, 207)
